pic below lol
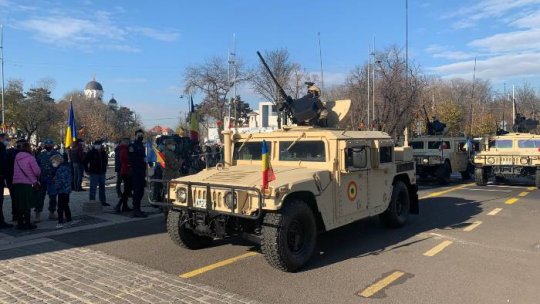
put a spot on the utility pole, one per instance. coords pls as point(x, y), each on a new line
point(368, 88)
point(513, 105)
point(373, 84)
point(472, 98)
point(2, 64)
point(320, 57)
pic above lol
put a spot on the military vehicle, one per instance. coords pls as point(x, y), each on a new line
point(324, 178)
point(509, 155)
point(439, 156)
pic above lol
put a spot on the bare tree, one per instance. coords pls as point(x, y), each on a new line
point(212, 79)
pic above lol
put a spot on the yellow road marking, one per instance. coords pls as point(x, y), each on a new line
point(433, 251)
point(495, 211)
point(510, 201)
point(522, 194)
point(226, 262)
point(531, 188)
point(472, 226)
point(373, 289)
point(434, 194)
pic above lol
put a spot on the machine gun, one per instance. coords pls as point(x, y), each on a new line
point(434, 127)
point(524, 125)
point(300, 111)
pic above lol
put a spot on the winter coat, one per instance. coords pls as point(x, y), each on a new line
point(10, 161)
point(123, 159)
point(62, 179)
point(96, 161)
point(27, 162)
point(76, 154)
point(3, 161)
point(117, 163)
point(44, 162)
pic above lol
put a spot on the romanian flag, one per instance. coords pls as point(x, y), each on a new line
point(194, 123)
point(159, 156)
point(71, 130)
point(267, 172)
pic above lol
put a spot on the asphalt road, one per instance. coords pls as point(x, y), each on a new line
point(460, 249)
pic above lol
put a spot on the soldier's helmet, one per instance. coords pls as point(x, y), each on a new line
point(314, 90)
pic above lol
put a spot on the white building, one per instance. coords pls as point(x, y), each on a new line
point(93, 89)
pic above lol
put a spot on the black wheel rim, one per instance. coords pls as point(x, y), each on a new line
point(296, 236)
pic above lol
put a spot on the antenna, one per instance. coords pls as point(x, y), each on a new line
point(407, 42)
point(320, 57)
point(368, 87)
point(373, 84)
point(513, 104)
point(472, 98)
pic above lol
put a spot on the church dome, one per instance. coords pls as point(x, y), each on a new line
point(113, 101)
point(93, 85)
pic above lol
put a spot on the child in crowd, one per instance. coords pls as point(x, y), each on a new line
point(62, 183)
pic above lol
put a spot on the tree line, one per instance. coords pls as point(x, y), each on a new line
point(35, 114)
point(399, 91)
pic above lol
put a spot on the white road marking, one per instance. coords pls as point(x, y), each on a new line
point(495, 211)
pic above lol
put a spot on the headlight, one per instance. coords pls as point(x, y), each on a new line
point(181, 195)
point(524, 160)
point(230, 200)
point(425, 161)
point(491, 160)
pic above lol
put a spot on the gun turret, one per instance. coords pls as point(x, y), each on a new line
point(305, 109)
point(434, 127)
point(524, 125)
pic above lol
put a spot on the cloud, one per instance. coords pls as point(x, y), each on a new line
point(497, 67)
point(100, 30)
point(531, 20)
point(512, 41)
point(443, 52)
point(470, 16)
point(155, 34)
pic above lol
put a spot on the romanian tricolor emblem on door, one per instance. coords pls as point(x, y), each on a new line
point(352, 191)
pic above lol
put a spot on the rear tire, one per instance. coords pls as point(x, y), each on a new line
point(289, 237)
point(398, 211)
point(480, 176)
point(182, 236)
point(465, 175)
point(443, 174)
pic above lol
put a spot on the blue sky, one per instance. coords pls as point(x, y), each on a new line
point(138, 50)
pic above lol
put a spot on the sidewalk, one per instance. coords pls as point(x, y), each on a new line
point(81, 221)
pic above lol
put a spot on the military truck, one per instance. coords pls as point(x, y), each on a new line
point(509, 155)
point(440, 156)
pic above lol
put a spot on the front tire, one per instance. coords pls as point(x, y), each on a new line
point(480, 176)
point(182, 236)
point(398, 211)
point(465, 175)
point(289, 236)
point(443, 174)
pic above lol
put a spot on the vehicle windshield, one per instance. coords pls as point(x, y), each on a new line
point(250, 150)
point(501, 144)
point(311, 151)
point(417, 145)
point(437, 144)
point(529, 143)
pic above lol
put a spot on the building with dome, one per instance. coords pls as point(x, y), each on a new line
point(94, 89)
point(112, 102)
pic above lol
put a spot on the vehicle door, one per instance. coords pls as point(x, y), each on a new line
point(459, 156)
point(383, 170)
point(352, 185)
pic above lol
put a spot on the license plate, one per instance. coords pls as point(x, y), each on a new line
point(200, 203)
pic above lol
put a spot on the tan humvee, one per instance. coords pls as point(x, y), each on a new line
point(324, 178)
point(509, 155)
point(440, 156)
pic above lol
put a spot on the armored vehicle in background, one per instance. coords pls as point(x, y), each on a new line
point(509, 155)
point(313, 179)
point(439, 156)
